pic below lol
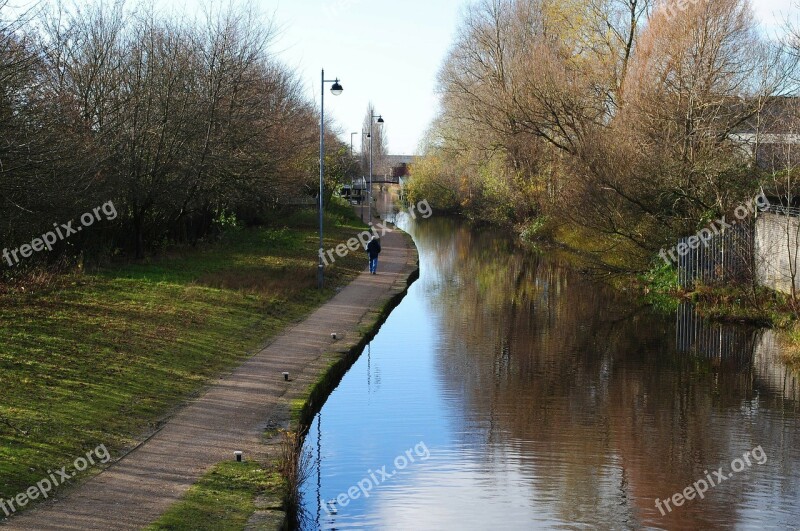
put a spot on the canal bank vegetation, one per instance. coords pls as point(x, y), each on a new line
point(733, 302)
point(612, 127)
point(252, 494)
point(227, 497)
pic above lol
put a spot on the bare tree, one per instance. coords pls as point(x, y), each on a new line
point(612, 115)
point(177, 122)
point(378, 143)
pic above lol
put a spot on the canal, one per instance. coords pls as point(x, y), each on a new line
point(510, 391)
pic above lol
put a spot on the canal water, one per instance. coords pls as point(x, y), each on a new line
point(509, 391)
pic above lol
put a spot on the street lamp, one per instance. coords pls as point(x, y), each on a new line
point(336, 89)
point(380, 122)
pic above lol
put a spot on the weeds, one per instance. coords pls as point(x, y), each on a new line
point(296, 467)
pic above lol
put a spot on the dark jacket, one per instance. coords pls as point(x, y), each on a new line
point(374, 248)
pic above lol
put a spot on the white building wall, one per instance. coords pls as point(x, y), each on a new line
point(777, 241)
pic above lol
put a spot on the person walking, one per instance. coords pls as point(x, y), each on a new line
point(374, 249)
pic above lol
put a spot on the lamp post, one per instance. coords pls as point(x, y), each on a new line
point(369, 195)
point(336, 89)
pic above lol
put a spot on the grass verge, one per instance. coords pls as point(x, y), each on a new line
point(102, 358)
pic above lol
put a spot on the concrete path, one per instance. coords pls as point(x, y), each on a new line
point(231, 415)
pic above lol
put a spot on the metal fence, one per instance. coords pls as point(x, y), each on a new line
point(782, 210)
point(726, 256)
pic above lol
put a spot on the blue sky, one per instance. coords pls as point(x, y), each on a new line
point(386, 51)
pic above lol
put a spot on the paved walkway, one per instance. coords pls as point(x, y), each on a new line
point(231, 415)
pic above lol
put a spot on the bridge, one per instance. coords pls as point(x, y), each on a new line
point(393, 167)
point(382, 179)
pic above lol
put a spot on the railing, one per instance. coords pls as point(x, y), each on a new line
point(725, 256)
point(782, 210)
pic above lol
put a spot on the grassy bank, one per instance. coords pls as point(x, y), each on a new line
point(102, 358)
point(738, 303)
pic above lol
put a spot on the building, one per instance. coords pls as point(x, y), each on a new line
point(394, 167)
point(772, 135)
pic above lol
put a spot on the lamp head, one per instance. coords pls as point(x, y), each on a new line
point(336, 89)
point(380, 119)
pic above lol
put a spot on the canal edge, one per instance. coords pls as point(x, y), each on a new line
point(301, 403)
point(331, 367)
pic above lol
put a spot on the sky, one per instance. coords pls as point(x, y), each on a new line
point(384, 51)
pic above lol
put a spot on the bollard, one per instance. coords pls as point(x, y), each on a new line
point(238, 456)
point(286, 376)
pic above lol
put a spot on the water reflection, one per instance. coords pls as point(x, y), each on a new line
point(548, 400)
point(770, 373)
point(754, 353)
point(720, 342)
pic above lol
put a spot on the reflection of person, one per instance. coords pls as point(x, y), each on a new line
point(374, 249)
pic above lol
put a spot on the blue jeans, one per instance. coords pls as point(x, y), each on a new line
point(373, 264)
